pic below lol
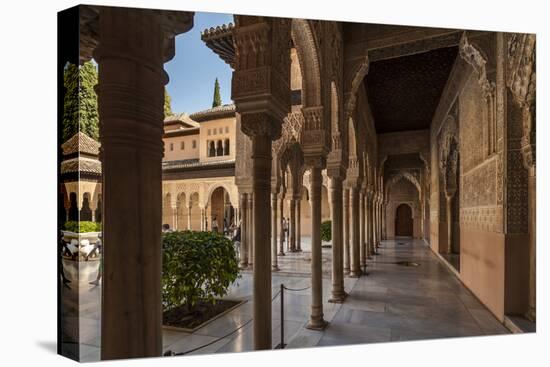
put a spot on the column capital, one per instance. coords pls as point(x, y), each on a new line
point(261, 79)
point(315, 162)
point(314, 136)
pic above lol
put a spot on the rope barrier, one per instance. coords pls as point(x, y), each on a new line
point(294, 289)
point(170, 353)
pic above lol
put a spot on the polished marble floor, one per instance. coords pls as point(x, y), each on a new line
point(392, 303)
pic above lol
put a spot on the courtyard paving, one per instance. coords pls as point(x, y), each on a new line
point(392, 303)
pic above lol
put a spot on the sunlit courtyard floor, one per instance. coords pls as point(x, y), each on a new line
point(392, 303)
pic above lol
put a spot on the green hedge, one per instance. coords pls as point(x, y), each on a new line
point(82, 227)
point(326, 231)
point(196, 266)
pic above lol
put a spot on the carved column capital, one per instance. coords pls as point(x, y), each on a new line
point(261, 80)
point(261, 123)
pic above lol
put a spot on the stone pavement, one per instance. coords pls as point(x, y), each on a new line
point(392, 303)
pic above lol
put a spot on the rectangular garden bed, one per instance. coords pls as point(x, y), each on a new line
point(182, 319)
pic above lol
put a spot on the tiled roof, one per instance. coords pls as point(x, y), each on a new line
point(81, 164)
point(226, 110)
point(190, 163)
point(181, 117)
point(80, 143)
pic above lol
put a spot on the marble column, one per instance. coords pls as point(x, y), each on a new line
point(379, 207)
point(251, 233)
point(383, 214)
point(130, 99)
point(175, 217)
point(261, 92)
point(355, 270)
point(292, 229)
point(298, 225)
point(335, 191)
point(189, 218)
point(244, 230)
point(316, 320)
point(346, 231)
point(282, 228)
point(370, 246)
point(362, 243)
point(261, 186)
point(374, 220)
point(274, 265)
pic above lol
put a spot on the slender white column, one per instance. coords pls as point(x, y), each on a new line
point(189, 218)
point(274, 265)
point(316, 320)
point(335, 190)
point(355, 270)
point(251, 231)
point(346, 232)
point(298, 225)
point(292, 230)
point(282, 228)
point(175, 216)
point(370, 248)
point(362, 243)
point(244, 231)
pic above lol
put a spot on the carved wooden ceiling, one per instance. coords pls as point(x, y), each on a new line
point(404, 92)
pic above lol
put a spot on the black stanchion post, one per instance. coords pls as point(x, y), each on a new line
point(282, 316)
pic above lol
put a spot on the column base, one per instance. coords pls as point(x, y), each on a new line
point(298, 250)
point(355, 274)
point(281, 254)
point(243, 266)
point(346, 271)
point(339, 297)
point(275, 268)
point(318, 325)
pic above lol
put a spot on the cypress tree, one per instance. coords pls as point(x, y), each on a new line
point(217, 98)
point(80, 111)
point(167, 104)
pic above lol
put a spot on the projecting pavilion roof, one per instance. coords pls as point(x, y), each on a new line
point(80, 143)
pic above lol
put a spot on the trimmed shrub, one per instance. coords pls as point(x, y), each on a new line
point(326, 231)
point(82, 227)
point(196, 267)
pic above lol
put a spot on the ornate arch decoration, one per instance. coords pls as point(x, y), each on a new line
point(308, 57)
point(182, 198)
point(353, 80)
point(448, 154)
point(191, 195)
point(402, 175)
point(223, 185)
point(521, 80)
point(476, 58)
point(292, 157)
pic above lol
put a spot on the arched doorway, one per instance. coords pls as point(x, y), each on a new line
point(403, 221)
point(221, 209)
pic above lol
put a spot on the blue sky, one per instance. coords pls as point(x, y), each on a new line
point(194, 68)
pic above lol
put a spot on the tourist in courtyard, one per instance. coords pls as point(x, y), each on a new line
point(214, 225)
point(237, 241)
point(285, 230)
point(63, 248)
point(98, 246)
